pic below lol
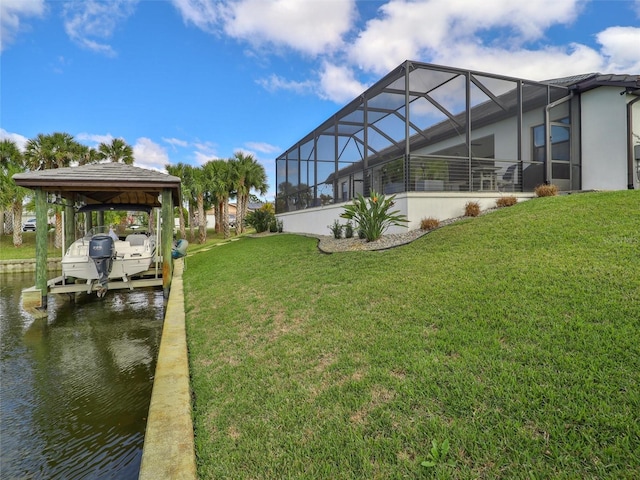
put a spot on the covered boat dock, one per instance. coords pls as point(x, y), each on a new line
point(100, 184)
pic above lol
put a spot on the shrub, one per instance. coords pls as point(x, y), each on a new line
point(506, 201)
point(348, 230)
point(472, 209)
point(546, 190)
point(260, 219)
point(372, 215)
point(429, 223)
point(336, 229)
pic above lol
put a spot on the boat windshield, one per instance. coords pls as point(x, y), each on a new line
point(105, 230)
point(98, 230)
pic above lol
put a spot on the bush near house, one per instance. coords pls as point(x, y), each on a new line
point(472, 209)
point(336, 229)
point(545, 190)
point(429, 223)
point(508, 201)
point(261, 219)
point(373, 215)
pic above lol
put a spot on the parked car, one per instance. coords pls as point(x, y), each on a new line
point(29, 225)
point(232, 220)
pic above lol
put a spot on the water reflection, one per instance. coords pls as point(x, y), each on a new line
point(76, 385)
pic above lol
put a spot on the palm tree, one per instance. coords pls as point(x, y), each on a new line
point(11, 195)
point(57, 150)
point(88, 155)
point(221, 183)
point(179, 171)
point(118, 151)
point(256, 180)
point(188, 192)
point(249, 174)
point(199, 190)
point(52, 151)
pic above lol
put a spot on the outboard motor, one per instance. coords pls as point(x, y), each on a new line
point(180, 249)
point(102, 252)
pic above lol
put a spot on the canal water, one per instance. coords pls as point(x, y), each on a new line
point(75, 387)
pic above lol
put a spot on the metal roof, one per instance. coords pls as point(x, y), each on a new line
point(588, 81)
point(104, 183)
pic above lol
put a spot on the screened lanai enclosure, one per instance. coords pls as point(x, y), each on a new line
point(428, 128)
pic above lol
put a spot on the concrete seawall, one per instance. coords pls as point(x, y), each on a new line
point(169, 450)
point(27, 265)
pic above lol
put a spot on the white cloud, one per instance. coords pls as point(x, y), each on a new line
point(150, 155)
point(309, 27)
point(621, 46)
point(263, 147)
point(90, 22)
point(274, 83)
point(419, 30)
point(94, 138)
point(20, 140)
point(498, 36)
point(543, 64)
point(339, 83)
point(12, 14)
point(175, 142)
point(204, 14)
point(204, 152)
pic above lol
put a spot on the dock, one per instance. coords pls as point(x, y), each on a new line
point(60, 285)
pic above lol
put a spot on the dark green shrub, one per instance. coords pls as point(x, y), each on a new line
point(260, 219)
point(348, 230)
point(372, 215)
point(336, 229)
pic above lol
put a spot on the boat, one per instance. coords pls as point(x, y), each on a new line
point(101, 255)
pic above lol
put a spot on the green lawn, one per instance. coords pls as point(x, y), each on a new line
point(27, 251)
point(514, 336)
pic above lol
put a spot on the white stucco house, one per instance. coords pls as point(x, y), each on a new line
point(438, 137)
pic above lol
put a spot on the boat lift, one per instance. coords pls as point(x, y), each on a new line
point(112, 183)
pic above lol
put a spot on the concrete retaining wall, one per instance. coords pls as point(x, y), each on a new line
point(169, 450)
point(21, 266)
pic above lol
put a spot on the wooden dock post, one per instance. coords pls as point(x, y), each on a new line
point(167, 241)
point(41, 245)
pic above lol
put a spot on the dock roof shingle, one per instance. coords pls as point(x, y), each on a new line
point(114, 183)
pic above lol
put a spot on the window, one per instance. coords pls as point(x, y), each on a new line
point(538, 144)
point(560, 135)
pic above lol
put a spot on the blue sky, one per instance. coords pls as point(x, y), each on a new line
point(193, 80)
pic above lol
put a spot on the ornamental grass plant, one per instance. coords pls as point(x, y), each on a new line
point(472, 209)
point(373, 215)
point(507, 201)
point(506, 347)
point(546, 190)
point(429, 223)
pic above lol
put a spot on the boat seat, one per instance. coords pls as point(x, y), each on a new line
point(136, 239)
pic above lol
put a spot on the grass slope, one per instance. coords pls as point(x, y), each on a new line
point(27, 251)
point(513, 336)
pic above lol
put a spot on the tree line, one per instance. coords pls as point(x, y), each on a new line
point(212, 184)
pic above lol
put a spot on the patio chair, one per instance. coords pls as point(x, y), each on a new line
point(509, 179)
